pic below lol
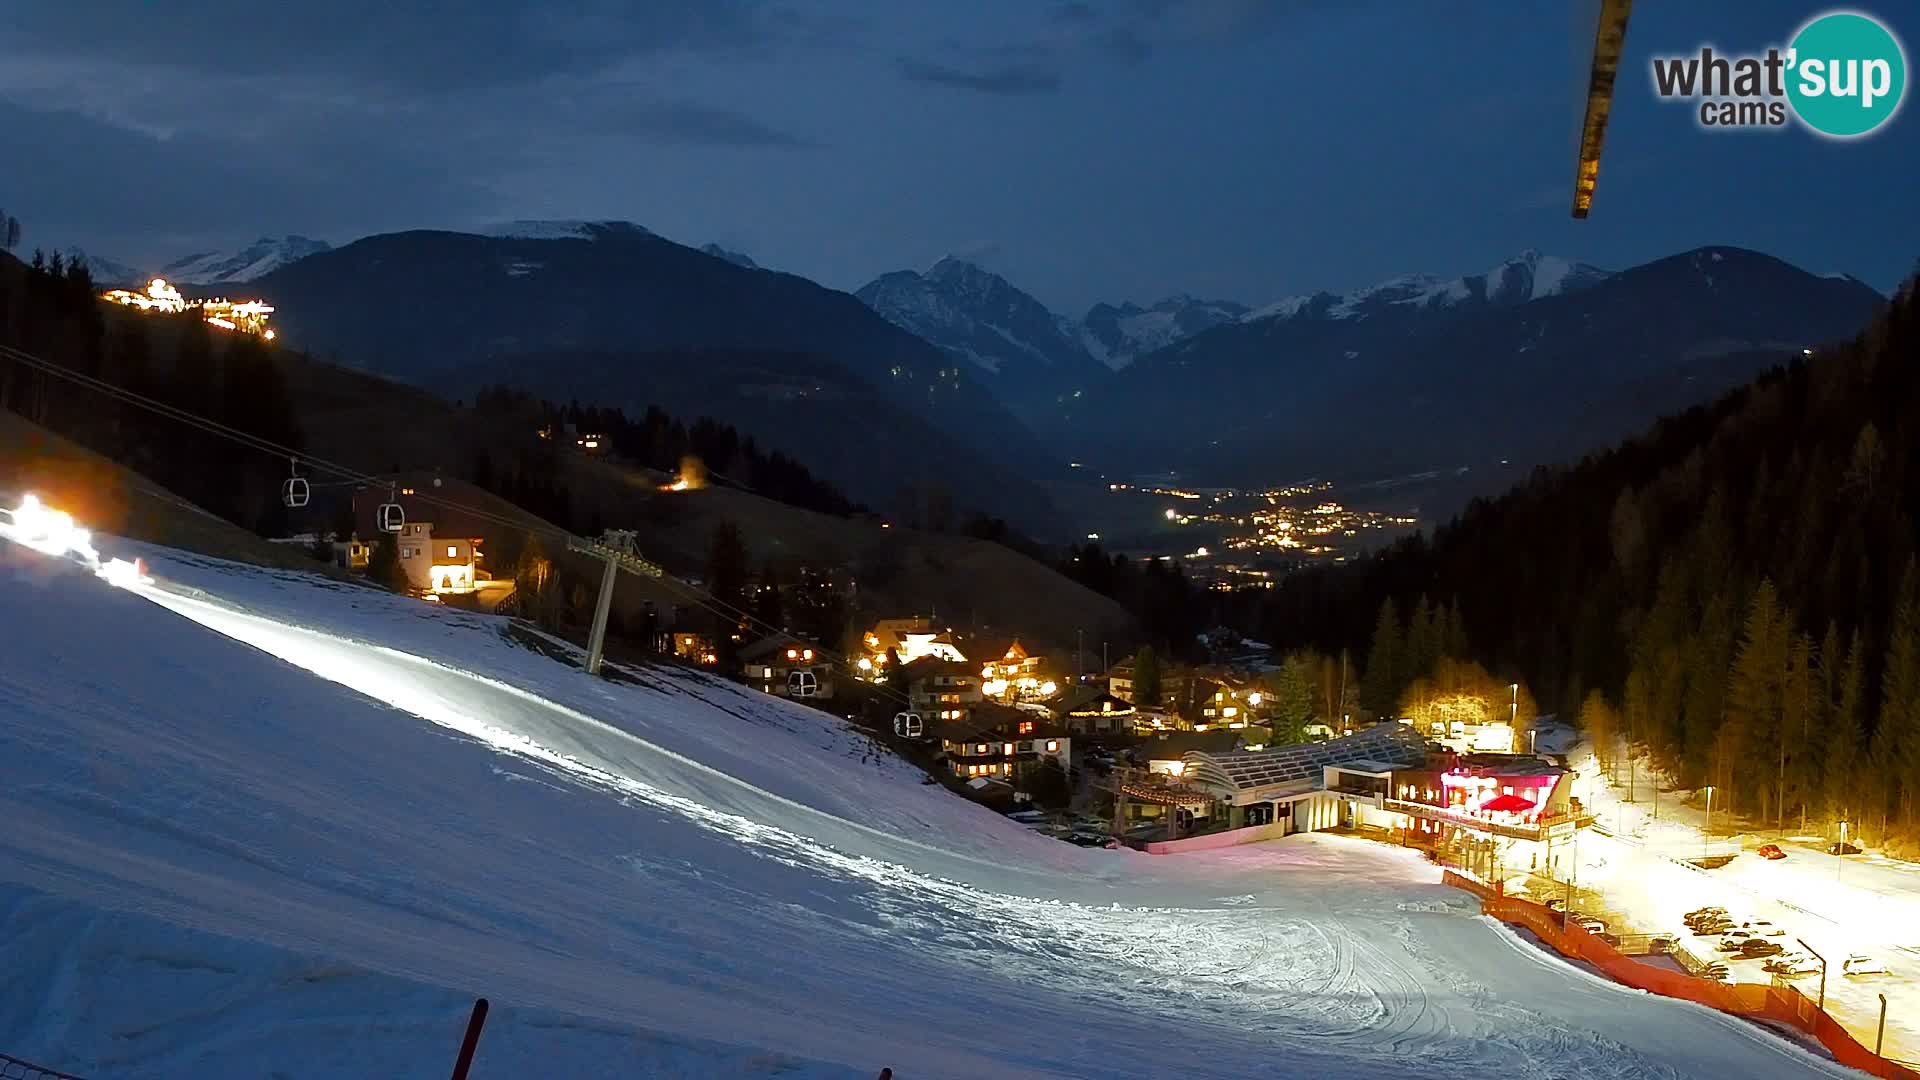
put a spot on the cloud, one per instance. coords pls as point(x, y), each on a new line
point(687, 123)
point(1004, 79)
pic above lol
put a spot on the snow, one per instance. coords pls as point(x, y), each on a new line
point(262, 257)
point(552, 229)
point(264, 822)
point(1864, 903)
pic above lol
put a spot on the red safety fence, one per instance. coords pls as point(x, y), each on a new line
point(1782, 1004)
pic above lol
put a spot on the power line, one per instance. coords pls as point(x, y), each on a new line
point(702, 600)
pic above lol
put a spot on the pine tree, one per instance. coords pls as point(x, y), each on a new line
point(1897, 737)
point(1756, 688)
point(1292, 707)
point(1423, 641)
point(1146, 677)
point(1381, 686)
point(1845, 737)
point(383, 564)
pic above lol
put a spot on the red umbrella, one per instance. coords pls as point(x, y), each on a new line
point(1513, 804)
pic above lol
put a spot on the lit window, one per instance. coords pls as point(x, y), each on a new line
point(1053, 746)
point(1008, 750)
point(1219, 695)
point(766, 673)
point(1230, 711)
point(981, 749)
point(1026, 727)
point(451, 550)
point(793, 653)
point(1206, 712)
point(806, 654)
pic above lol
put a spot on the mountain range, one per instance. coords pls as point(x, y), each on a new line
point(612, 314)
point(956, 378)
point(1536, 360)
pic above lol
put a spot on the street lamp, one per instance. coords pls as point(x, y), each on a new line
point(1823, 970)
point(1706, 834)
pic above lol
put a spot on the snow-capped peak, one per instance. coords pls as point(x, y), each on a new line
point(1525, 277)
point(262, 257)
point(556, 229)
point(105, 271)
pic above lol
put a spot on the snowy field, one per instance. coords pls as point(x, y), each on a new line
point(1840, 906)
point(260, 823)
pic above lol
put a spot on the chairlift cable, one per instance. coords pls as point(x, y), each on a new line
point(704, 601)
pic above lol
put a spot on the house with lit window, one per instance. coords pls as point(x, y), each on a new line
point(904, 640)
point(441, 547)
point(788, 667)
point(945, 691)
point(694, 648)
point(1016, 675)
point(1204, 704)
point(1093, 710)
point(1120, 680)
point(995, 742)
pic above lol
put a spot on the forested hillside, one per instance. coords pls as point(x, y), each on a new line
point(1739, 586)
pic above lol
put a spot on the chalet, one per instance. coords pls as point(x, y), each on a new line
point(1017, 675)
point(907, 639)
point(1120, 681)
point(941, 690)
point(1203, 704)
point(788, 667)
point(1093, 710)
point(440, 544)
point(997, 742)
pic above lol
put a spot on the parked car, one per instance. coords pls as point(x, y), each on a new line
point(1028, 817)
point(1792, 965)
point(1716, 971)
point(1771, 851)
point(1706, 911)
point(1859, 964)
point(1762, 928)
point(1732, 944)
point(1842, 848)
point(1755, 948)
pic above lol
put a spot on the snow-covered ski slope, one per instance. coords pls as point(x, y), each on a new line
point(303, 852)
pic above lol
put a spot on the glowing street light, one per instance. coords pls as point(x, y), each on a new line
point(1706, 833)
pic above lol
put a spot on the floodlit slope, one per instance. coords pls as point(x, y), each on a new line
point(216, 861)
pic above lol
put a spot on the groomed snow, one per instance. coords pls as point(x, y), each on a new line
point(301, 852)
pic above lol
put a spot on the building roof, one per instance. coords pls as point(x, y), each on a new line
point(777, 643)
point(1079, 697)
point(1390, 743)
point(989, 720)
point(1174, 745)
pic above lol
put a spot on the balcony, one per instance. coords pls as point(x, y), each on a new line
point(1556, 826)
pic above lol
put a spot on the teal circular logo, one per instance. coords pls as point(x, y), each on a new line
point(1847, 74)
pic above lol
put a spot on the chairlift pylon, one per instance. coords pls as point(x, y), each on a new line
point(295, 492)
point(391, 518)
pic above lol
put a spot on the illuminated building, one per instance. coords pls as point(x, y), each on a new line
point(787, 667)
point(243, 316)
point(908, 639)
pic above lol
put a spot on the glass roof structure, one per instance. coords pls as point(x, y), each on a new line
point(1389, 743)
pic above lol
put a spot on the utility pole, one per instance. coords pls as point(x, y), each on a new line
point(1823, 970)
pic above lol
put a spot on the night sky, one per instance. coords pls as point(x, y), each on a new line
point(1089, 151)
